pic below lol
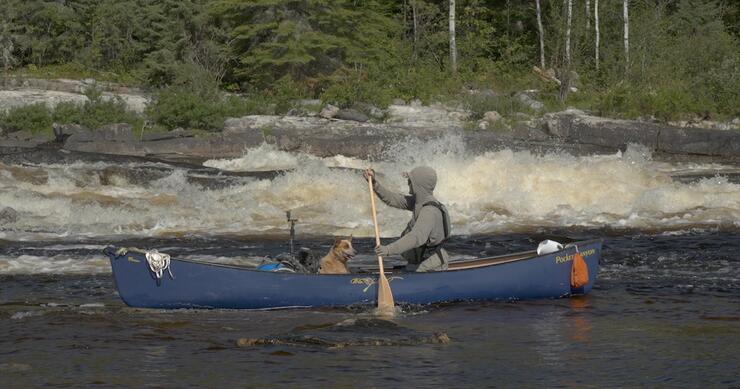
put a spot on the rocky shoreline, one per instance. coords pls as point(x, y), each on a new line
point(570, 131)
point(322, 134)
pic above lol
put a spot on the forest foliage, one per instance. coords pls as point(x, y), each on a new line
point(684, 54)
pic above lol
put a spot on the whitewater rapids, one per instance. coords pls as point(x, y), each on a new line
point(498, 191)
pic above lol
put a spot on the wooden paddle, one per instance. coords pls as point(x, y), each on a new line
point(385, 296)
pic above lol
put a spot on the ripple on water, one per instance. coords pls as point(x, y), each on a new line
point(346, 333)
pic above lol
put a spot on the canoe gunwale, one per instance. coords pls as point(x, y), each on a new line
point(471, 264)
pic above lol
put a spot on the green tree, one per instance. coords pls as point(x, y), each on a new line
point(303, 39)
point(8, 38)
point(47, 31)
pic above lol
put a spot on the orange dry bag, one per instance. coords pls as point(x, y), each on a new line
point(579, 271)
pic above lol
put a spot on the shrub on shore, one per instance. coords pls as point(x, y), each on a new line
point(93, 113)
point(36, 118)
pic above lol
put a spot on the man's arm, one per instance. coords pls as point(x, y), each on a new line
point(393, 199)
point(418, 235)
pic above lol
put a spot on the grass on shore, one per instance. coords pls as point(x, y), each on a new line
point(197, 102)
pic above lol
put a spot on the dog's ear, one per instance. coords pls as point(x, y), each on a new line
point(350, 238)
point(337, 240)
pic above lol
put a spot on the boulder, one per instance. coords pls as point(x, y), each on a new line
point(111, 139)
point(22, 138)
point(492, 116)
point(329, 111)
point(699, 141)
point(8, 215)
point(483, 125)
point(436, 116)
point(459, 116)
point(398, 101)
point(351, 114)
point(529, 101)
point(370, 110)
point(577, 127)
point(528, 134)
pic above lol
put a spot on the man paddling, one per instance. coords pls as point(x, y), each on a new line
point(421, 242)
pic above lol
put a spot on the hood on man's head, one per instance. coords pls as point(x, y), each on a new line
point(423, 179)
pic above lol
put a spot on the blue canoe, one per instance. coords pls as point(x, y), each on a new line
point(198, 284)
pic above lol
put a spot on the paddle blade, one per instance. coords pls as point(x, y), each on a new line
point(385, 297)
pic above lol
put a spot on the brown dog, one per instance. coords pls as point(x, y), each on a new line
point(336, 261)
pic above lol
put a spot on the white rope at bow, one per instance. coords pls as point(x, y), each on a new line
point(158, 263)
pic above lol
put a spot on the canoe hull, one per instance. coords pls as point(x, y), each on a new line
point(203, 285)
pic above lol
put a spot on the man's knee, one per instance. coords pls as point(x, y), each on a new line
point(433, 263)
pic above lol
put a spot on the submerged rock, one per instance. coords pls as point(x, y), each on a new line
point(8, 215)
point(13, 367)
point(350, 333)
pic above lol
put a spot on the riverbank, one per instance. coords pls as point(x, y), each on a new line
point(572, 131)
point(365, 131)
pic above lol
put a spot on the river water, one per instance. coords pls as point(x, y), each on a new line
point(664, 312)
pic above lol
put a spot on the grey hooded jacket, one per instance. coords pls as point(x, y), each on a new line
point(426, 227)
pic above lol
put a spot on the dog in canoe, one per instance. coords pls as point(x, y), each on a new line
point(335, 262)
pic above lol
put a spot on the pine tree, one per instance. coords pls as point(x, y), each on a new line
point(272, 38)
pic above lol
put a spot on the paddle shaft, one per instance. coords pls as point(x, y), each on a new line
point(385, 295)
point(375, 222)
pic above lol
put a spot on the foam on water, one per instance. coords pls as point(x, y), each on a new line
point(266, 157)
point(499, 191)
point(57, 264)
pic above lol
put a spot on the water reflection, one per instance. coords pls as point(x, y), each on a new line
point(580, 325)
point(551, 343)
point(156, 364)
point(560, 329)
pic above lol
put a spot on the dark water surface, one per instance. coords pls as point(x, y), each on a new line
point(665, 312)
